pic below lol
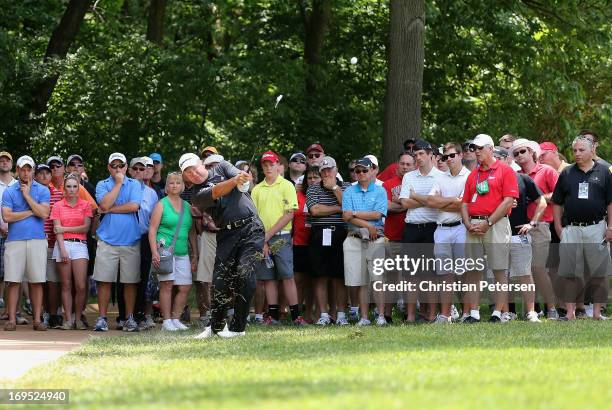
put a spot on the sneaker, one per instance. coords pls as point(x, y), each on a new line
point(56, 321)
point(67, 325)
point(147, 323)
point(206, 334)
point(27, 307)
point(20, 320)
point(324, 321)
point(101, 325)
point(45, 318)
point(494, 319)
point(601, 317)
point(381, 321)
point(442, 319)
point(300, 321)
point(581, 314)
point(177, 323)
point(130, 325)
point(353, 316)
point(341, 321)
point(120, 324)
point(80, 325)
point(268, 321)
point(454, 313)
point(364, 322)
point(506, 317)
point(228, 334)
point(552, 314)
point(533, 317)
point(84, 321)
point(168, 326)
point(471, 319)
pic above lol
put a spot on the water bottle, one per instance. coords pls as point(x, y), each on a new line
point(269, 262)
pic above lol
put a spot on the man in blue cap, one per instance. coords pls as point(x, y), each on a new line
point(158, 164)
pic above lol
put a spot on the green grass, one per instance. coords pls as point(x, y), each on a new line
point(516, 365)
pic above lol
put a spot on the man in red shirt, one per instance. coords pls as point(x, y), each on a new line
point(489, 192)
point(526, 154)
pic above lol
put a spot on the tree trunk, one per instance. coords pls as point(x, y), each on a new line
point(155, 26)
point(405, 75)
point(316, 24)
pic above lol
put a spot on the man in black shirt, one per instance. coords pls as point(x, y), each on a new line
point(583, 200)
point(222, 192)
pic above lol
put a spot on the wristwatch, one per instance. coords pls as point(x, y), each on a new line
point(335, 187)
point(533, 223)
point(489, 222)
point(354, 214)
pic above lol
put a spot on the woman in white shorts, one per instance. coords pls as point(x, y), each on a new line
point(163, 224)
point(71, 219)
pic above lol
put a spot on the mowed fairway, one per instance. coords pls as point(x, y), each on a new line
point(516, 365)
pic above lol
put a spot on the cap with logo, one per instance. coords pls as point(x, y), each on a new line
point(364, 162)
point(42, 167)
point(147, 161)
point(6, 154)
point(74, 156)
point(156, 157)
point(372, 159)
point(188, 160)
point(56, 159)
point(269, 156)
point(297, 155)
point(116, 156)
point(328, 162)
point(548, 146)
point(25, 160)
point(314, 147)
point(483, 139)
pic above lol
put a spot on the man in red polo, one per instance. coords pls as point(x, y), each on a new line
point(489, 192)
point(526, 154)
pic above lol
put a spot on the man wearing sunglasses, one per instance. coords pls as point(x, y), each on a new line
point(526, 154)
point(297, 167)
point(75, 165)
point(118, 249)
point(487, 201)
point(315, 155)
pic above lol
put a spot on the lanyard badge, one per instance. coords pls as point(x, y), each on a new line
point(482, 187)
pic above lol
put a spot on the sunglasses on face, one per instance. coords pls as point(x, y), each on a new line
point(361, 171)
point(447, 156)
point(301, 161)
point(351, 169)
point(474, 148)
point(521, 152)
point(317, 155)
point(72, 164)
point(138, 169)
point(55, 166)
point(118, 166)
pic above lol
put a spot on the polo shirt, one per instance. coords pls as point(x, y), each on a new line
point(31, 227)
point(528, 194)
point(449, 186)
point(374, 198)
point(3, 187)
point(394, 223)
point(149, 200)
point(56, 195)
point(274, 200)
point(389, 172)
point(301, 231)
point(318, 195)
point(120, 229)
point(545, 178)
point(590, 209)
point(421, 184)
point(71, 216)
point(502, 184)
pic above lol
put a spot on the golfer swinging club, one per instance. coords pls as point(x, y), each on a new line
point(222, 192)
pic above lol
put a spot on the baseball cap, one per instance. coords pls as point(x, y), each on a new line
point(501, 151)
point(156, 157)
point(328, 162)
point(314, 147)
point(363, 162)
point(6, 154)
point(188, 160)
point(209, 149)
point(147, 161)
point(74, 156)
point(545, 146)
point(483, 139)
point(240, 162)
point(422, 144)
point(117, 156)
point(296, 155)
point(269, 156)
point(137, 160)
point(41, 167)
point(25, 160)
point(55, 158)
point(211, 159)
point(372, 159)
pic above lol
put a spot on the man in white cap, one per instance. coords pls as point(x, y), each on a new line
point(297, 167)
point(119, 198)
point(222, 192)
point(526, 154)
point(487, 201)
point(25, 206)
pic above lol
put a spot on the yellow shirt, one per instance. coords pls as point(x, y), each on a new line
point(273, 201)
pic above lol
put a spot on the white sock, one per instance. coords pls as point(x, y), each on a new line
point(168, 322)
point(323, 314)
point(340, 315)
point(258, 316)
point(475, 313)
point(496, 313)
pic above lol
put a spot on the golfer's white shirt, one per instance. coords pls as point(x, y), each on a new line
point(420, 184)
point(450, 186)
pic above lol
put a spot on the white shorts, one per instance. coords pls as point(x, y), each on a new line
point(449, 243)
point(181, 271)
point(76, 250)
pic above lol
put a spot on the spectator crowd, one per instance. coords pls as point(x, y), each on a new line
point(139, 239)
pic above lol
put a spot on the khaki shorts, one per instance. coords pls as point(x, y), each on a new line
point(27, 260)
point(582, 245)
point(358, 260)
point(540, 236)
point(521, 256)
point(52, 274)
point(495, 245)
point(207, 244)
point(110, 259)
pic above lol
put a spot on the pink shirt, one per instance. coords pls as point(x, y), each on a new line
point(71, 216)
point(545, 178)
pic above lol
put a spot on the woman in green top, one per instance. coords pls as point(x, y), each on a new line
point(163, 225)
